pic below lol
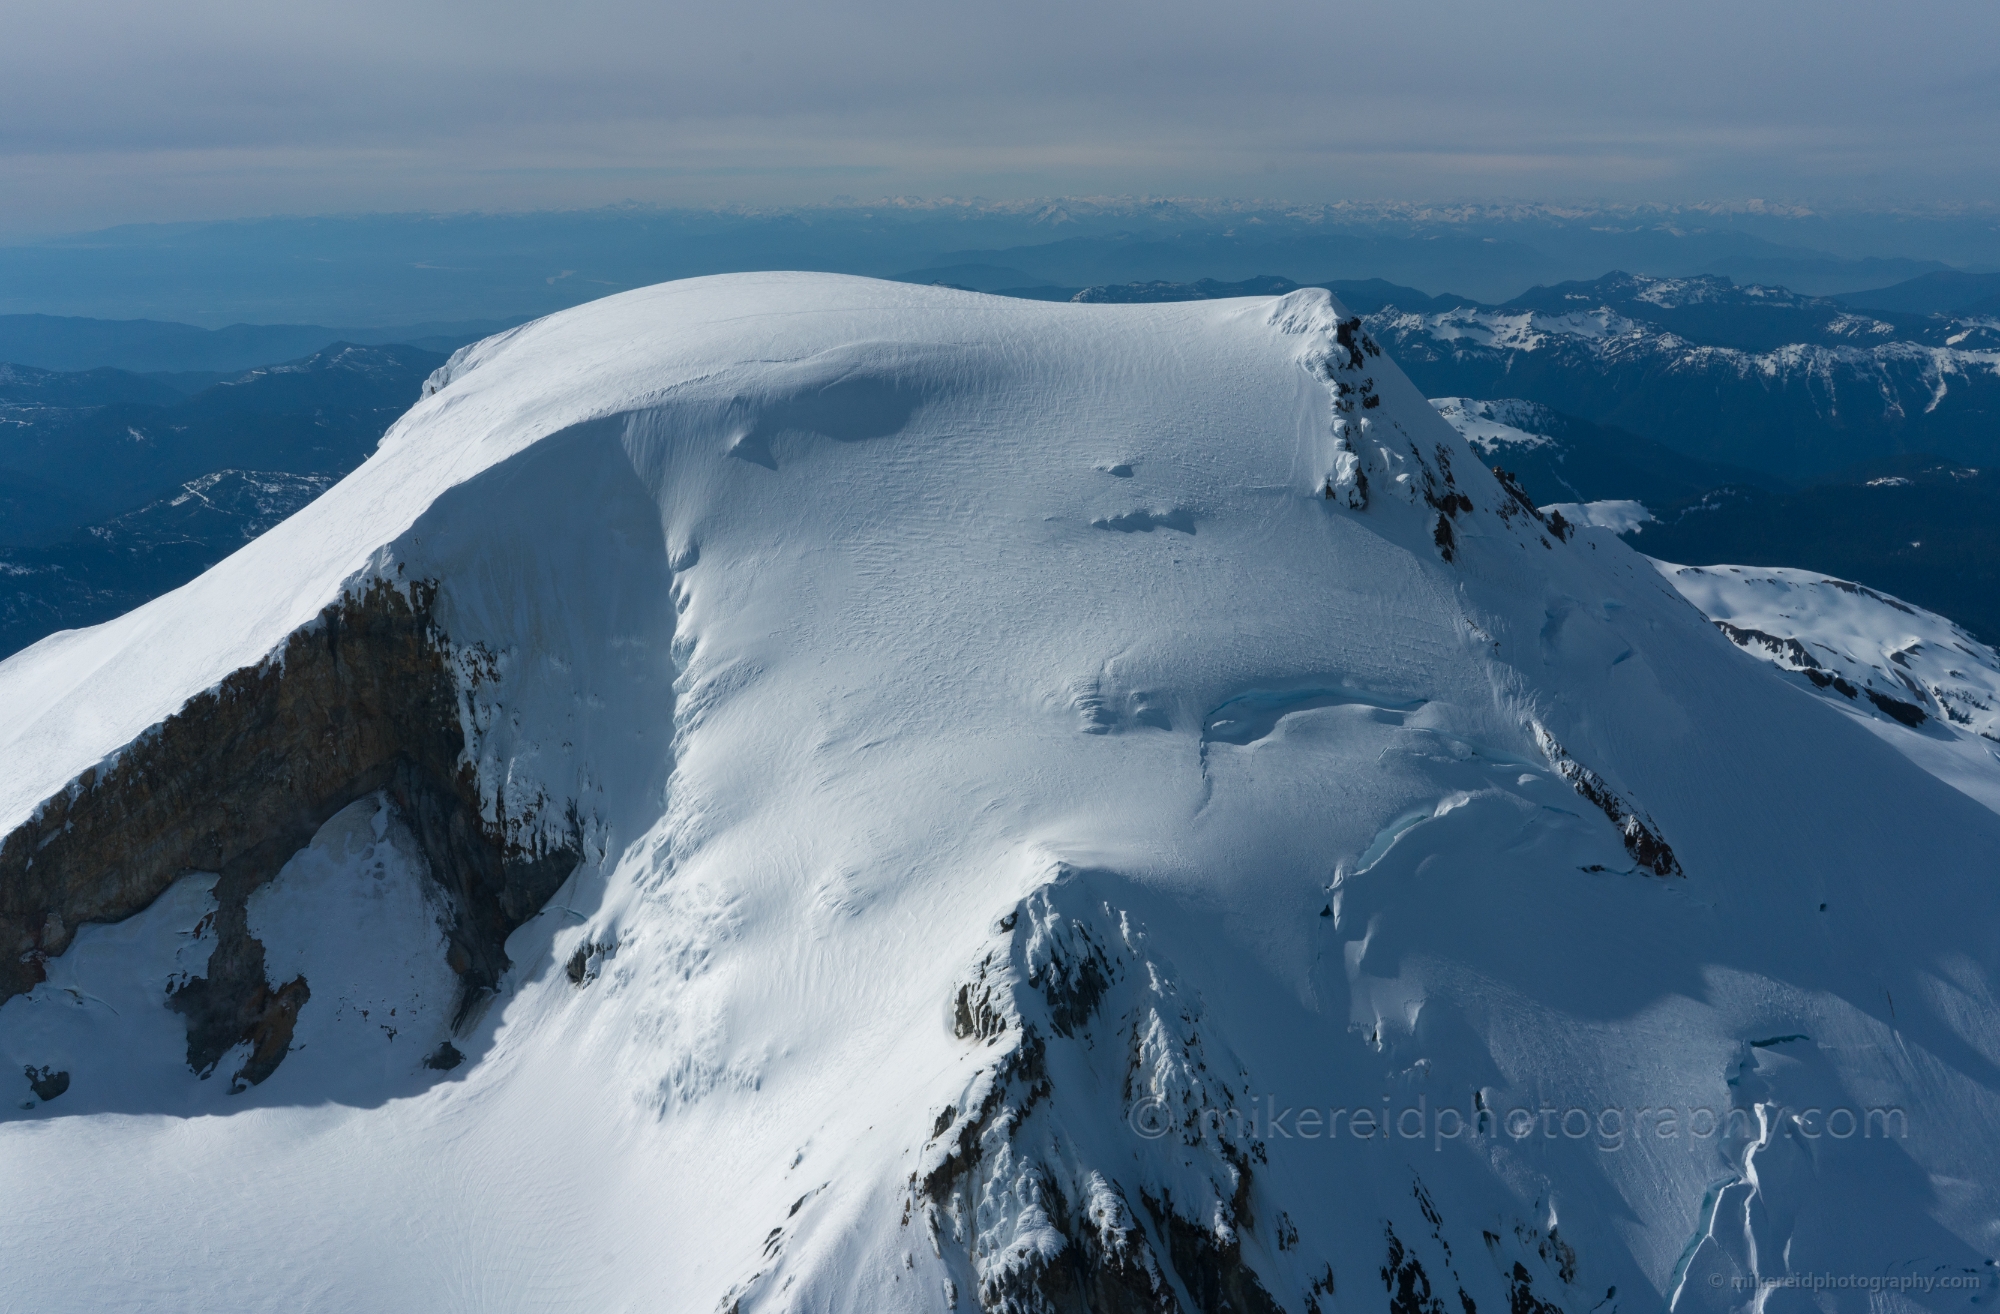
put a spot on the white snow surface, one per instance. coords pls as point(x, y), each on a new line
point(1096, 666)
point(1619, 515)
point(1491, 426)
point(1882, 659)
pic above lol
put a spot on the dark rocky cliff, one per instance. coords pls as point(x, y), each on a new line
point(238, 781)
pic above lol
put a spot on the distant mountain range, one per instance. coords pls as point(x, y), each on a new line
point(107, 569)
point(412, 269)
point(1749, 425)
point(115, 488)
point(114, 442)
point(1795, 387)
point(57, 342)
point(1787, 386)
point(1754, 424)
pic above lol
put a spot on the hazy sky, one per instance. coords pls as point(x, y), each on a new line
point(116, 111)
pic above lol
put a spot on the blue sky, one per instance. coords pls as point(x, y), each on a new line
point(113, 111)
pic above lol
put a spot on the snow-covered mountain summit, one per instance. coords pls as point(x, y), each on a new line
point(789, 792)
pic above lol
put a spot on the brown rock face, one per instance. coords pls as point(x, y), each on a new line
point(238, 781)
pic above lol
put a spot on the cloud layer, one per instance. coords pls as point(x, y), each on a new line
point(114, 111)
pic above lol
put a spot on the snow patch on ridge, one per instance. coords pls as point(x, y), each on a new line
point(1928, 686)
point(1493, 426)
point(1618, 516)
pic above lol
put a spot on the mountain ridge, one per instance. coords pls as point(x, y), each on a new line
point(1006, 762)
point(144, 346)
point(1868, 388)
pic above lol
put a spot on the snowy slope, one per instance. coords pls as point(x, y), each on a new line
point(1931, 688)
point(1496, 428)
point(1619, 515)
point(1042, 773)
point(1560, 458)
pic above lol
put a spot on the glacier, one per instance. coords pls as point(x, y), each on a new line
point(992, 805)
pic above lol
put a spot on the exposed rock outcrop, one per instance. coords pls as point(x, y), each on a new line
point(240, 778)
point(1006, 1179)
point(1642, 837)
point(46, 1082)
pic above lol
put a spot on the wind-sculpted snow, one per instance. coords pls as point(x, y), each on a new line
point(1065, 807)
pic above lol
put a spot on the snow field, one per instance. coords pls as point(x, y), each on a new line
point(873, 679)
